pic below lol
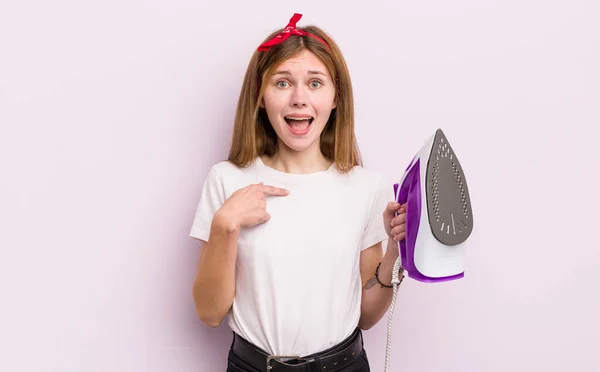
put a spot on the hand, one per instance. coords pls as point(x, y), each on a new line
point(246, 207)
point(395, 226)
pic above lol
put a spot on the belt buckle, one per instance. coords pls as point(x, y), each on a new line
point(270, 358)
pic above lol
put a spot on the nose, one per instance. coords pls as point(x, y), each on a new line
point(299, 97)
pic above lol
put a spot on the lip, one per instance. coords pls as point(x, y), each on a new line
point(298, 116)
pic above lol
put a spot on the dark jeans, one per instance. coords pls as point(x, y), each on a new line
point(235, 364)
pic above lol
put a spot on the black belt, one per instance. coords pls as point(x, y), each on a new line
point(330, 360)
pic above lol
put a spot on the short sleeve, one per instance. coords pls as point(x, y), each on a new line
point(374, 233)
point(211, 199)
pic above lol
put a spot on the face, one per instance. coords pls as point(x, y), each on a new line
point(298, 100)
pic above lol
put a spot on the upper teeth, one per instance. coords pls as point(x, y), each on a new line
point(297, 118)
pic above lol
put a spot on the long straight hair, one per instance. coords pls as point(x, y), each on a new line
point(253, 134)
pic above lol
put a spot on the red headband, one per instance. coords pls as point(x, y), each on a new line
point(289, 30)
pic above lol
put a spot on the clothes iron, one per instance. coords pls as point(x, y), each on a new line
point(439, 218)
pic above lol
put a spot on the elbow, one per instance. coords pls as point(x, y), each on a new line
point(211, 321)
point(205, 313)
point(364, 327)
point(366, 324)
point(210, 318)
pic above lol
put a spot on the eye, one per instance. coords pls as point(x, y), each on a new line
point(281, 84)
point(315, 84)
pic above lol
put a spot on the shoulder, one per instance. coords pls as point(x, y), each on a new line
point(231, 177)
point(224, 167)
point(225, 170)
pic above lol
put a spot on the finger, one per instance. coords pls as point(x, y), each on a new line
point(402, 208)
point(266, 217)
point(251, 187)
point(392, 207)
point(272, 190)
point(401, 218)
point(262, 217)
point(399, 237)
point(398, 230)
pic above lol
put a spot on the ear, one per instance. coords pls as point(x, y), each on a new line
point(262, 103)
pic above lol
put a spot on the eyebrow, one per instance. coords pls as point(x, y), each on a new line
point(312, 72)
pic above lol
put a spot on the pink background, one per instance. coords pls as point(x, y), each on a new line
point(112, 112)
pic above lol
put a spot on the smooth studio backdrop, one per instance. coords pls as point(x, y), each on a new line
point(112, 113)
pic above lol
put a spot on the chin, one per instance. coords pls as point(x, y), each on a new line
point(298, 147)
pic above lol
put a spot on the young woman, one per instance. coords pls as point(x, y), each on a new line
point(292, 225)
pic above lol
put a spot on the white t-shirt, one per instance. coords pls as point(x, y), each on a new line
point(298, 285)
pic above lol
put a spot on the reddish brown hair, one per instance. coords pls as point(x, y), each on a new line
point(253, 134)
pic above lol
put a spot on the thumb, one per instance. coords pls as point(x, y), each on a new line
point(392, 208)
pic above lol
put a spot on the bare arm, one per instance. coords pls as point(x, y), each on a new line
point(375, 298)
point(214, 285)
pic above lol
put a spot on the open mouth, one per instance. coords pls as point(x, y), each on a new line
point(299, 123)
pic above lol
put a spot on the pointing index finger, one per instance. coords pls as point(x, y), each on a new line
point(272, 190)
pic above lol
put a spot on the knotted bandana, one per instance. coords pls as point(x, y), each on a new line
point(288, 31)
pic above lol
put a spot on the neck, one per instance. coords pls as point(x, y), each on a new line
point(289, 161)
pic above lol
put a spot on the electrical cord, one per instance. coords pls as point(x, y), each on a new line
point(396, 280)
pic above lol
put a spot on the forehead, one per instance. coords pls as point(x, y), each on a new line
point(302, 63)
